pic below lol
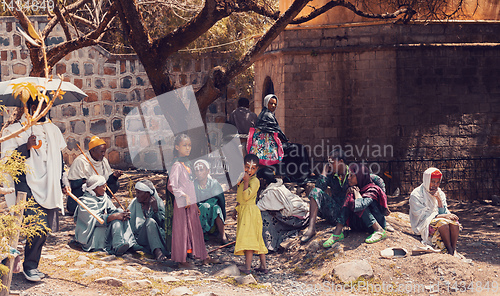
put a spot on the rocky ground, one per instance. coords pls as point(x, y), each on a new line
point(296, 270)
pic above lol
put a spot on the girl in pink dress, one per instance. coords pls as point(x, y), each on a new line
point(187, 234)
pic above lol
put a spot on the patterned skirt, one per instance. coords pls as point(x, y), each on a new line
point(435, 235)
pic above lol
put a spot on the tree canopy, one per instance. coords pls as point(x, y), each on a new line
point(157, 29)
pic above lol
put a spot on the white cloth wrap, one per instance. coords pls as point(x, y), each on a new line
point(81, 168)
point(143, 187)
point(44, 165)
point(92, 183)
point(276, 197)
point(424, 207)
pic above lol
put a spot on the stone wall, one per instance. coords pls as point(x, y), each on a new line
point(115, 84)
point(393, 91)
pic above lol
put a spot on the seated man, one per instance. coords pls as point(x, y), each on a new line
point(429, 214)
point(115, 235)
point(365, 207)
point(147, 219)
point(81, 170)
point(329, 207)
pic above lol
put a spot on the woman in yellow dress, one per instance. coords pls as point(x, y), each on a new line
point(249, 229)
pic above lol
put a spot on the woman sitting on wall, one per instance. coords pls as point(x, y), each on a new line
point(283, 213)
point(429, 214)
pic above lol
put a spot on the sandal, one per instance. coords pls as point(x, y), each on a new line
point(261, 270)
point(245, 271)
point(376, 237)
point(333, 239)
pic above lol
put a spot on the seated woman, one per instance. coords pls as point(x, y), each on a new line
point(272, 147)
point(283, 213)
point(212, 204)
point(429, 214)
point(366, 204)
point(147, 219)
point(115, 235)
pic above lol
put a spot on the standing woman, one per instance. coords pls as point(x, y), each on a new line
point(187, 234)
point(429, 214)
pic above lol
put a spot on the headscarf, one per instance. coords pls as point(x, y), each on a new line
point(367, 188)
point(93, 182)
point(207, 165)
point(147, 186)
point(96, 141)
point(267, 121)
point(424, 206)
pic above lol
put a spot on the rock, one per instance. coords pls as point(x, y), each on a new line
point(89, 273)
point(313, 246)
point(145, 269)
point(131, 269)
point(351, 271)
point(51, 257)
point(440, 271)
point(245, 280)
point(108, 258)
point(80, 263)
point(82, 258)
point(207, 294)
point(231, 270)
point(495, 200)
point(496, 223)
point(189, 278)
point(167, 279)
point(180, 291)
point(60, 263)
point(114, 270)
point(110, 281)
point(154, 292)
point(140, 284)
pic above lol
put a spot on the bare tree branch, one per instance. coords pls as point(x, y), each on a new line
point(318, 11)
point(62, 21)
point(68, 9)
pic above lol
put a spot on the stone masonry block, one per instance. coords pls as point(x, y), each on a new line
point(98, 127)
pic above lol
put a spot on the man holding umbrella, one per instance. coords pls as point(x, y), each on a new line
point(41, 145)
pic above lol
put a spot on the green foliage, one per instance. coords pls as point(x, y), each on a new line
point(13, 165)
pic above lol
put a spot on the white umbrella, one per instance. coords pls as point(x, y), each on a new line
point(73, 93)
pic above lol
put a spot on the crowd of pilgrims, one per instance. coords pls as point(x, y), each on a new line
point(176, 226)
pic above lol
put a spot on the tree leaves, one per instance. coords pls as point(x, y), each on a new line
point(26, 90)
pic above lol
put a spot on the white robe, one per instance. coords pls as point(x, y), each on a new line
point(81, 168)
point(424, 208)
point(276, 197)
point(44, 164)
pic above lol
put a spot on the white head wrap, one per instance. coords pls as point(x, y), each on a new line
point(207, 165)
point(427, 177)
point(93, 182)
point(268, 98)
point(143, 186)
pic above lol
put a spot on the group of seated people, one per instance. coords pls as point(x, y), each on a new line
point(344, 195)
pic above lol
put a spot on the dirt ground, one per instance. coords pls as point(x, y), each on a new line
point(297, 269)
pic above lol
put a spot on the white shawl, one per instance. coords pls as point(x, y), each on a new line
point(276, 197)
point(424, 207)
point(81, 168)
point(44, 164)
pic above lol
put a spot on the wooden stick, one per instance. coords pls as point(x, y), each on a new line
point(98, 174)
point(221, 247)
point(99, 219)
